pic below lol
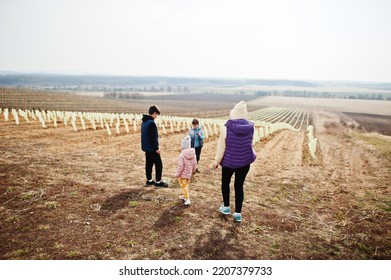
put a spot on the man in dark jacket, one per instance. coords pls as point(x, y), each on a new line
point(150, 145)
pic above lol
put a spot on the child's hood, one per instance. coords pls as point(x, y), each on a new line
point(188, 153)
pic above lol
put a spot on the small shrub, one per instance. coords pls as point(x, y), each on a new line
point(57, 245)
point(133, 203)
point(43, 227)
point(13, 219)
point(51, 205)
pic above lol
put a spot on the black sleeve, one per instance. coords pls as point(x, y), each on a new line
point(153, 136)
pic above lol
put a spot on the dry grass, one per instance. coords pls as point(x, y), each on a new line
point(81, 195)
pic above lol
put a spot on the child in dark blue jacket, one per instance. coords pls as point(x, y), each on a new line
point(150, 145)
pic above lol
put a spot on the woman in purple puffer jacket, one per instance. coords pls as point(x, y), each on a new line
point(235, 154)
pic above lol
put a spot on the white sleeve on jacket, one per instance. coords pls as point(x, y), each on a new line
point(221, 145)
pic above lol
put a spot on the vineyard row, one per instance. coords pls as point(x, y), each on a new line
point(267, 121)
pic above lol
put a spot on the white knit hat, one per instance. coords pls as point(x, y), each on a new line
point(186, 143)
point(239, 111)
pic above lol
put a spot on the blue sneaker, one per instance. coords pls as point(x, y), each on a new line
point(225, 210)
point(237, 217)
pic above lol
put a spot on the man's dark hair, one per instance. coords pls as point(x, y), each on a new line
point(154, 109)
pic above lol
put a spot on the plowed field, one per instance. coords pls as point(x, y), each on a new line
point(81, 195)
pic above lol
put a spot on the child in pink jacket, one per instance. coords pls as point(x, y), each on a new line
point(187, 165)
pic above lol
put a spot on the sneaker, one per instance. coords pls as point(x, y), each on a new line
point(237, 217)
point(161, 184)
point(187, 202)
point(197, 170)
point(150, 183)
point(181, 197)
point(225, 210)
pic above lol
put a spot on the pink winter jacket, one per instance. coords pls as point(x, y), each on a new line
point(187, 164)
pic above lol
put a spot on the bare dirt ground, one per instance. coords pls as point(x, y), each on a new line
point(370, 122)
point(81, 195)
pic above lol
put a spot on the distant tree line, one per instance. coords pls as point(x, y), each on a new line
point(139, 93)
point(369, 96)
point(123, 95)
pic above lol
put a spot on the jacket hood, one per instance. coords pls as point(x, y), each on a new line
point(239, 111)
point(188, 153)
point(240, 126)
point(147, 117)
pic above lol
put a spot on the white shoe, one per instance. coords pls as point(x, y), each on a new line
point(181, 197)
point(187, 201)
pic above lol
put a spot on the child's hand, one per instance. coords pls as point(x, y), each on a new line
point(215, 165)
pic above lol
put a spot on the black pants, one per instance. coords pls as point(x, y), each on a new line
point(240, 176)
point(150, 160)
point(198, 153)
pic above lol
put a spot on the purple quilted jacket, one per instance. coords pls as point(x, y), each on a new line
point(238, 151)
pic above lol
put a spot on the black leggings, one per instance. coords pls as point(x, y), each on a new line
point(240, 176)
point(150, 160)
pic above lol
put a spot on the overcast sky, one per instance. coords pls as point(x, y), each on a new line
point(266, 39)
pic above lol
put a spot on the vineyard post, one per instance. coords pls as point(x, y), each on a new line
point(83, 125)
point(126, 126)
point(266, 130)
point(256, 136)
point(32, 114)
point(215, 129)
point(15, 115)
point(92, 121)
point(111, 120)
point(164, 129)
point(49, 116)
point(108, 129)
point(55, 121)
point(312, 141)
point(206, 131)
point(261, 133)
point(66, 117)
point(312, 146)
point(43, 112)
point(73, 122)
